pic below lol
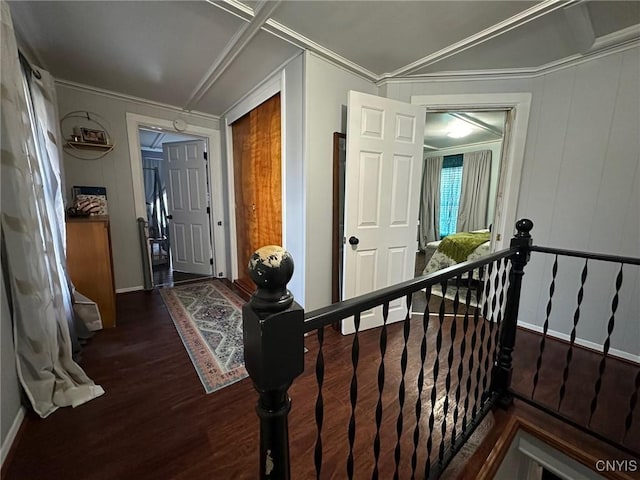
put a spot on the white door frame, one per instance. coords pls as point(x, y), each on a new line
point(519, 105)
point(134, 122)
point(276, 84)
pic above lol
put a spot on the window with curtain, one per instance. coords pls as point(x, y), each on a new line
point(450, 185)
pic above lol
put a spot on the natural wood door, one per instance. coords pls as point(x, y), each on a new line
point(258, 183)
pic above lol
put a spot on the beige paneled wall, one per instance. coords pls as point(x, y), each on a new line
point(580, 184)
point(114, 171)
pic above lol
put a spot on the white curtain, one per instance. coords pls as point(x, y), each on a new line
point(474, 193)
point(430, 202)
point(33, 238)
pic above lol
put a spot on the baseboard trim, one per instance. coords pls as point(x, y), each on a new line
point(11, 435)
point(613, 352)
point(129, 289)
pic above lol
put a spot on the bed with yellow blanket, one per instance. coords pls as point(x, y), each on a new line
point(457, 248)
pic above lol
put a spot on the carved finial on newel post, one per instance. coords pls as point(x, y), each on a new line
point(273, 353)
point(271, 268)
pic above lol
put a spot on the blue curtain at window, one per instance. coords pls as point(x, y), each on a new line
point(450, 184)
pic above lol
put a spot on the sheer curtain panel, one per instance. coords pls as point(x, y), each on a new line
point(33, 238)
point(474, 194)
point(429, 214)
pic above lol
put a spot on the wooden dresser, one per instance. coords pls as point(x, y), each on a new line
point(90, 265)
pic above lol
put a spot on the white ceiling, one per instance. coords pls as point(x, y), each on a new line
point(482, 127)
point(204, 56)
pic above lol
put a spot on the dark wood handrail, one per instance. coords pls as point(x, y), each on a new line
point(592, 256)
point(324, 316)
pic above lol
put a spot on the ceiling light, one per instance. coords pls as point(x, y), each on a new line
point(459, 129)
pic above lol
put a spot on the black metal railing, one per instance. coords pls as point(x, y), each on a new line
point(433, 377)
point(414, 391)
point(570, 373)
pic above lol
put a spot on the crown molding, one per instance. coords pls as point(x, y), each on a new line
point(617, 38)
point(235, 8)
point(300, 41)
point(598, 51)
point(522, 18)
point(234, 48)
point(283, 32)
point(130, 98)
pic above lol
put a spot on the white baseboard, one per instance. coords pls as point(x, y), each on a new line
point(11, 435)
point(129, 289)
point(584, 343)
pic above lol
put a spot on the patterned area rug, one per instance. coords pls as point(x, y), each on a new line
point(208, 317)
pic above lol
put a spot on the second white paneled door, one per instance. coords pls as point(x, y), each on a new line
point(187, 201)
point(382, 188)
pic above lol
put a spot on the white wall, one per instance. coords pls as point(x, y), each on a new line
point(326, 88)
point(496, 153)
point(114, 172)
point(580, 185)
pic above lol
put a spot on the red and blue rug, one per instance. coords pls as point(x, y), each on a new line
point(208, 317)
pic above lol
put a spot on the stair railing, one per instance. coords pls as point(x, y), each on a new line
point(475, 378)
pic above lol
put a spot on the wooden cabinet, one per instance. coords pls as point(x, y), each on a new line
point(89, 263)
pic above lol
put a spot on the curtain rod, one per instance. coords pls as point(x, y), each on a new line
point(27, 65)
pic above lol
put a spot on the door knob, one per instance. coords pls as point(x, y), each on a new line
point(354, 240)
point(169, 217)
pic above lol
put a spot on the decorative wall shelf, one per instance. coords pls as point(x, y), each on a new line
point(75, 125)
point(89, 146)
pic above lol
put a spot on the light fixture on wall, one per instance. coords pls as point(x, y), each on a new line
point(459, 129)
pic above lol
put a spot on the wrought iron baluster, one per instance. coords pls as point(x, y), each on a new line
point(355, 353)
point(317, 454)
point(436, 370)
point(465, 328)
point(605, 348)
point(488, 317)
point(632, 406)
point(545, 327)
point(401, 389)
point(460, 370)
point(423, 357)
point(485, 314)
point(447, 384)
point(383, 349)
point(576, 319)
point(503, 289)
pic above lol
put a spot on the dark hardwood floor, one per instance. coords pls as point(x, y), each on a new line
point(156, 422)
point(165, 276)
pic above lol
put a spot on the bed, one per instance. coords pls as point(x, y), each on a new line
point(457, 248)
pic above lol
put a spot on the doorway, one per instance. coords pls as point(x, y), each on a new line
point(257, 182)
point(456, 138)
point(175, 181)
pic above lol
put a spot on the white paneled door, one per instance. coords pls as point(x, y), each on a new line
point(187, 202)
point(382, 189)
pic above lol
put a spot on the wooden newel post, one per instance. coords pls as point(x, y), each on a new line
point(502, 369)
point(273, 353)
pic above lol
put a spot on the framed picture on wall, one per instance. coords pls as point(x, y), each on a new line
point(94, 136)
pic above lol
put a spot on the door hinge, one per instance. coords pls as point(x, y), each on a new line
point(211, 261)
point(208, 209)
point(206, 157)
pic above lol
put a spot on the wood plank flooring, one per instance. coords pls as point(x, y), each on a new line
point(156, 422)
